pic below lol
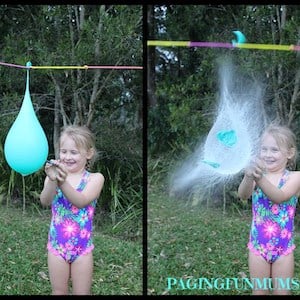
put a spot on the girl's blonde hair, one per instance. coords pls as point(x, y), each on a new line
point(83, 138)
point(286, 141)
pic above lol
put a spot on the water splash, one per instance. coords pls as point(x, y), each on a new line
point(232, 140)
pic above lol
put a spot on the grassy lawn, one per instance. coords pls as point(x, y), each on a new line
point(186, 243)
point(23, 257)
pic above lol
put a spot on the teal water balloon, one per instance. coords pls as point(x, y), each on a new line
point(211, 163)
point(227, 137)
point(26, 145)
point(240, 37)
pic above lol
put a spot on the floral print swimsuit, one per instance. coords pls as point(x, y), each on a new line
point(70, 234)
point(271, 233)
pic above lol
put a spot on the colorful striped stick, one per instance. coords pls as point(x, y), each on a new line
point(224, 45)
point(86, 67)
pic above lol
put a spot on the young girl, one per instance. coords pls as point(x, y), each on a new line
point(72, 192)
point(275, 190)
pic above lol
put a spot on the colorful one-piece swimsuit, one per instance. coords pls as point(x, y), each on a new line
point(70, 233)
point(272, 227)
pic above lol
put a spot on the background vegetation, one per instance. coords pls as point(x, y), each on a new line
point(108, 101)
point(208, 239)
point(183, 82)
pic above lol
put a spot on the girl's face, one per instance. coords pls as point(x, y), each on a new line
point(274, 157)
point(73, 158)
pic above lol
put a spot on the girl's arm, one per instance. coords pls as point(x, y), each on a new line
point(279, 195)
point(246, 187)
point(48, 191)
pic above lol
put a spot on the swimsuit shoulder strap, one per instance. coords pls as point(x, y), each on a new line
point(83, 180)
point(284, 178)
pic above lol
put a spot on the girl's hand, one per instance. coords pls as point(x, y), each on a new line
point(259, 169)
point(250, 169)
point(50, 169)
point(255, 170)
point(61, 174)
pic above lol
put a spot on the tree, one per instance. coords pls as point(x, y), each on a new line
point(186, 85)
point(106, 100)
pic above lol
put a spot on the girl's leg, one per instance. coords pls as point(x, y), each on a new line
point(260, 273)
point(282, 274)
point(82, 273)
point(59, 273)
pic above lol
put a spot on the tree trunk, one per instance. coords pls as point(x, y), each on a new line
point(91, 109)
point(152, 100)
point(296, 91)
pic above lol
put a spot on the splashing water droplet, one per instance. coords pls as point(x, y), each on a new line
point(26, 146)
point(229, 142)
point(232, 140)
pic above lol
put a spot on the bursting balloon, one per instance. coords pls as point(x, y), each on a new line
point(232, 140)
point(26, 145)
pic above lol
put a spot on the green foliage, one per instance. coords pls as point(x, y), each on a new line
point(67, 36)
point(187, 80)
point(181, 116)
point(121, 164)
point(125, 207)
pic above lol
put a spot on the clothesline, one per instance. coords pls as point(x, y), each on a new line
point(85, 67)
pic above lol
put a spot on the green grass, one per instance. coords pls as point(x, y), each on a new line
point(188, 242)
point(23, 257)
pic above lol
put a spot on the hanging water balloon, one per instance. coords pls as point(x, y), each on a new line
point(26, 146)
